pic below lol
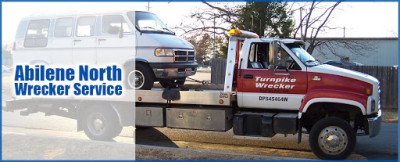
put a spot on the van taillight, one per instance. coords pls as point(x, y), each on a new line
point(14, 46)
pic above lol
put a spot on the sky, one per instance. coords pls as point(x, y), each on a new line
point(361, 19)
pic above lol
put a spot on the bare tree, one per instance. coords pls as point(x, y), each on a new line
point(216, 19)
point(330, 46)
point(314, 19)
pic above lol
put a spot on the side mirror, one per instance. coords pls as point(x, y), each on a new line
point(271, 68)
point(273, 53)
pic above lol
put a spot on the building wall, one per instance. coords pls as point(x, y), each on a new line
point(384, 53)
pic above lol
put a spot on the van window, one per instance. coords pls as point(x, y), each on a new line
point(37, 33)
point(148, 22)
point(64, 27)
point(112, 24)
point(86, 26)
point(21, 31)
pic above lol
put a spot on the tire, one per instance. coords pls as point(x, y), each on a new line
point(140, 78)
point(181, 81)
point(172, 82)
point(332, 138)
point(101, 123)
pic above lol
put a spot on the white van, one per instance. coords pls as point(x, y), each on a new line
point(124, 38)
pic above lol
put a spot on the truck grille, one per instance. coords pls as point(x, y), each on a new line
point(184, 56)
point(379, 94)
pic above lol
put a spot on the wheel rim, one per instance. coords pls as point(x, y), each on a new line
point(96, 123)
point(332, 140)
point(136, 79)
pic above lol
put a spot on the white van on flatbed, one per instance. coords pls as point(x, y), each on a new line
point(128, 39)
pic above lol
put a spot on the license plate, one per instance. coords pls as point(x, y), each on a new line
point(188, 71)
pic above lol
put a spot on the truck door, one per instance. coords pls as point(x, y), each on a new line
point(112, 45)
point(84, 51)
point(271, 80)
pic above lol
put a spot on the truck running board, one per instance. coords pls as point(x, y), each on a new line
point(261, 138)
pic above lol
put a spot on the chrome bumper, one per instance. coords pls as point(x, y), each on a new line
point(374, 124)
point(174, 72)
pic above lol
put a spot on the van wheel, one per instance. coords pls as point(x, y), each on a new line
point(140, 78)
point(101, 123)
point(172, 82)
point(332, 138)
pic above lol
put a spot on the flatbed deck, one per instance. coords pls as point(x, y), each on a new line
point(192, 97)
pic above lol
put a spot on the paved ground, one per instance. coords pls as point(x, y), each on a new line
point(146, 152)
point(44, 147)
point(378, 148)
point(382, 147)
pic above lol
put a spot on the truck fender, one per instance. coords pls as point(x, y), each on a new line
point(127, 62)
point(117, 112)
point(39, 62)
point(334, 96)
point(334, 100)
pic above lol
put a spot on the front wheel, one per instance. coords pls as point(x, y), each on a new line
point(332, 138)
point(140, 77)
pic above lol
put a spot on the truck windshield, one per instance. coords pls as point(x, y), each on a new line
point(303, 55)
point(148, 22)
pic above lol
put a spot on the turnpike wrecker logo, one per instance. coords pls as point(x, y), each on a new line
point(84, 80)
point(274, 85)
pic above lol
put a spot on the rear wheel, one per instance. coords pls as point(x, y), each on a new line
point(332, 138)
point(101, 123)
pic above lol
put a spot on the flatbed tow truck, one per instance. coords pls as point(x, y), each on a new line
point(272, 86)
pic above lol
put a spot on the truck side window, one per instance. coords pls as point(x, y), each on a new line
point(112, 24)
point(37, 33)
point(64, 27)
point(258, 58)
point(86, 26)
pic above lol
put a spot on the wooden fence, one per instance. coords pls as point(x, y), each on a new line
point(387, 76)
point(218, 67)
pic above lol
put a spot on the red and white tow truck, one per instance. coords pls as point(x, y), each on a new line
point(272, 86)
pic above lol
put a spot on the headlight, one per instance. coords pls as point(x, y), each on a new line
point(164, 52)
point(373, 106)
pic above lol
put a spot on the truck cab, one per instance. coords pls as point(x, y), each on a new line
point(278, 76)
point(138, 41)
point(283, 68)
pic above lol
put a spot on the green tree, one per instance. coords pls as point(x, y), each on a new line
point(265, 18)
point(222, 42)
point(203, 47)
